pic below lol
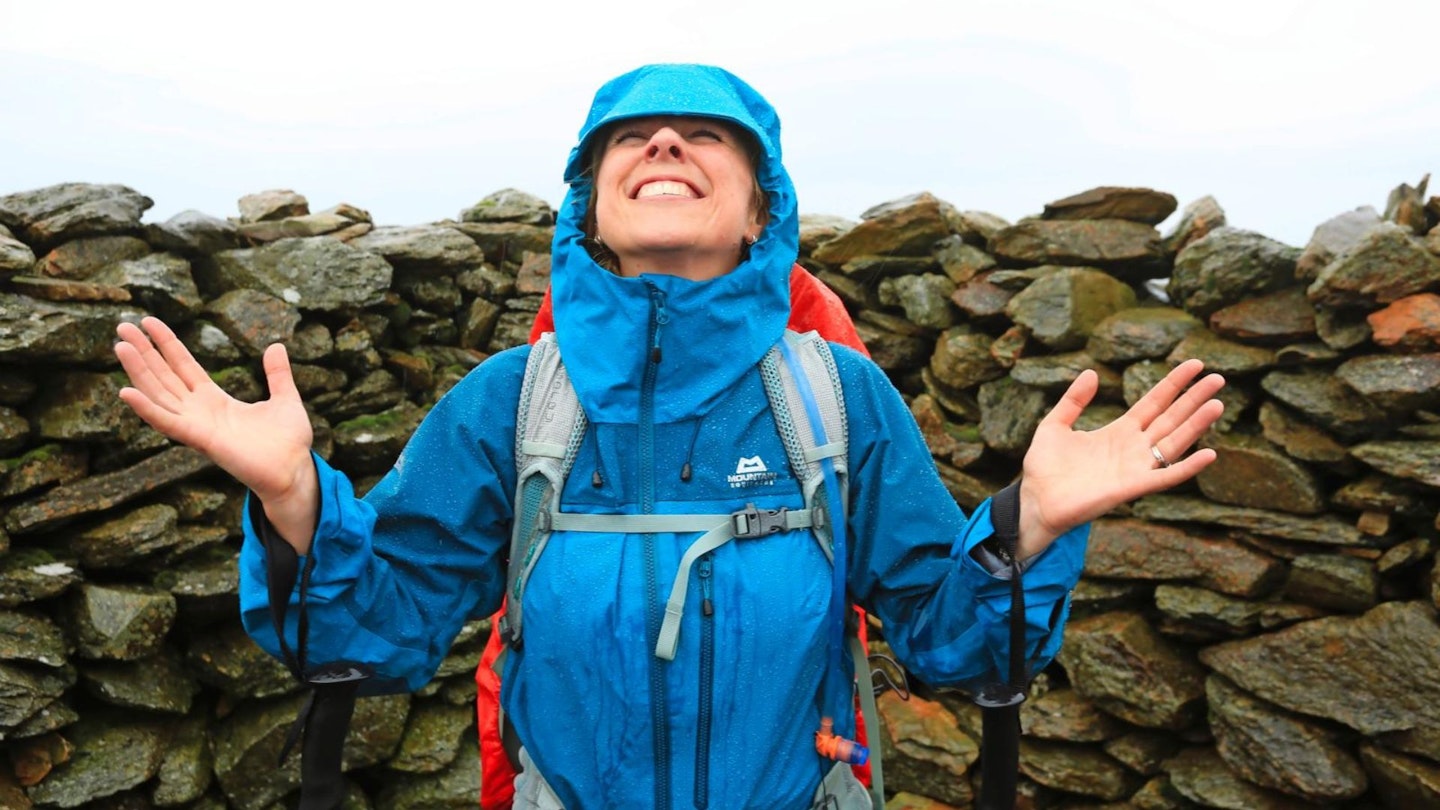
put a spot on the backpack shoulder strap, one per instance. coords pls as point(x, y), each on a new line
point(793, 419)
point(549, 426)
point(797, 402)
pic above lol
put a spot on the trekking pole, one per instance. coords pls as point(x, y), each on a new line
point(999, 702)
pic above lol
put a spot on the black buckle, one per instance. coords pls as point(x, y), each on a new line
point(750, 523)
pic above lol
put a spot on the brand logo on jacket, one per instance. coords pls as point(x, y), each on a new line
point(751, 472)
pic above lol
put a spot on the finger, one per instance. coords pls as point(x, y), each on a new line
point(1188, 432)
point(1076, 398)
point(167, 422)
point(176, 355)
point(1163, 393)
point(1179, 472)
point(278, 375)
point(160, 368)
point(1183, 409)
point(143, 376)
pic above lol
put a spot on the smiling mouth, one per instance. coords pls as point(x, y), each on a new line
point(665, 188)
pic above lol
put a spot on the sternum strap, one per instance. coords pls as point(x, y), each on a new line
point(718, 530)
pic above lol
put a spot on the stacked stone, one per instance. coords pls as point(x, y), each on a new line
point(1264, 637)
point(126, 680)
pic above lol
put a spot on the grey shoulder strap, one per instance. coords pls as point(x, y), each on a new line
point(792, 420)
point(548, 429)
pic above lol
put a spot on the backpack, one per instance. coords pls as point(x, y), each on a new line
point(807, 403)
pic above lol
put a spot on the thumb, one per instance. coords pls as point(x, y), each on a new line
point(1075, 399)
point(278, 376)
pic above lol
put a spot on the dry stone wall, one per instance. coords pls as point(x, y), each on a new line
point(1265, 637)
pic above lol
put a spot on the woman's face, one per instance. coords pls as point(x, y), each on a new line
point(676, 195)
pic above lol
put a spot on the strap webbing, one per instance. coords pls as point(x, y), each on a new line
point(871, 713)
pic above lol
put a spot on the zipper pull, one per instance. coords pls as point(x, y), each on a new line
point(657, 300)
point(707, 608)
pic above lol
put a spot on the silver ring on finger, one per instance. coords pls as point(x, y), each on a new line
point(1159, 456)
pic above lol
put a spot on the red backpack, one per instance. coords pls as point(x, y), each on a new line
point(813, 307)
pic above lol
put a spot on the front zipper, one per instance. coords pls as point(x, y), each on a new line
point(707, 687)
point(659, 714)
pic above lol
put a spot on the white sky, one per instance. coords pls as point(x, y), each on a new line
point(1287, 112)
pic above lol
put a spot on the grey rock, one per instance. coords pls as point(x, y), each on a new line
point(1124, 666)
point(960, 261)
point(1065, 715)
point(161, 283)
point(453, 789)
point(36, 331)
point(119, 754)
point(1009, 414)
point(1226, 266)
point(1062, 308)
point(1299, 439)
point(127, 538)
point(372, 443)
point(510, 205)
point(906, 227)
point(434, 734)
point(978, 227)
point(1055, 372)
point(192, 233)
point(1397, 383)
point(1333, 237)
point(54, 716)
point(253, 319)
point(100, 492)
point(83, 406)
point(32, 574)
point(1143, 751)
point(230, 661)
point(438, 294)
point(271, 205)
point(1342, 329)
point(1275, 749)
point(1076, 769)
point(319, 274)
point(962, 360)
point(1414, 460)
point(186, 768)
point(505, 243)
point(1325, 529)
point(15, 256)
point(27, 690)
point(1401, 781)
point(118, 622)
point(47, 216)
point(1133, 549)
point(422, 249)
point(924, 749)
point(14, 431)
point(1387, 264)
point(1196, 219)
point(1367, 672)
point(210, 345)
point(1197, 614)
point(30, 637)
point(1250, 471)
point(1139, 333)
point(373, 393)
point(159, 683)
point(817, 228)
point(924, 298)
point(1129, 250)
point(1114, 202)
point(1280, 317)
point(1200, 775)
point(79, 259)
point(1333, 581)
point(1324, 400)
point(478, 322)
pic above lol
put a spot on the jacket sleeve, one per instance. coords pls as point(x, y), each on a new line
point(910, 550)
point(392, 577)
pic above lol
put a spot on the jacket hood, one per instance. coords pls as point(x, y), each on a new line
point(709, 333)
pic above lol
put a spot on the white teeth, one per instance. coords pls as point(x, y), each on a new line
point(664, 188)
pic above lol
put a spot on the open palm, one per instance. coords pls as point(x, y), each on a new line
point(265, 445)
point(1073, 476)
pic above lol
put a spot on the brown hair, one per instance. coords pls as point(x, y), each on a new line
point(600, 142)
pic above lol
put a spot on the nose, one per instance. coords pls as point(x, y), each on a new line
point(665, 141)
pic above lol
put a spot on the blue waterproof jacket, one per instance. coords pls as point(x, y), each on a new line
point(730, 722)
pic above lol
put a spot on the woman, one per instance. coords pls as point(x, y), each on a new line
point(677, 187)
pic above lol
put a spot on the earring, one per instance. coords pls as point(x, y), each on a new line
point(751, 239)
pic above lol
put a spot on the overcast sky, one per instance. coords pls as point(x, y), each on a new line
point(1286, 112)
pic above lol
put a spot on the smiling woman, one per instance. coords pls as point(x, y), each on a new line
point(703, 165)
point(683, 627)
